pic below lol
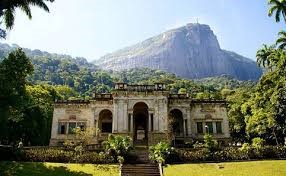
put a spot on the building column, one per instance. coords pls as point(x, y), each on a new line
point(131, 122)
point(115, 117)
point(96, 124)
point(189, 122)
point(184, 125)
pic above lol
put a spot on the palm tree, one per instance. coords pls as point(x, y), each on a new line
point(281, 41)
point(278, 7)
point(8, 7)
point(263, 54)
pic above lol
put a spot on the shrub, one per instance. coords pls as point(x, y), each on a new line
point(245, 148)
point(246, 152)
point(210, 143)
point(160, 152)
point(120, 159)
point(45, 155)
point(197, 144)
point(257, 143)
point(194, 155)
point(118, 146)
point(94, 158)
point(64, 156)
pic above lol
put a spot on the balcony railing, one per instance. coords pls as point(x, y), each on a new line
point(179, 96)
point(72, 101)
point(141, 88)
point(105, 96)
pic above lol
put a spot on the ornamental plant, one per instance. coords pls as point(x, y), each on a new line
point(160, 152)
point(210, 143)
point(118, 146)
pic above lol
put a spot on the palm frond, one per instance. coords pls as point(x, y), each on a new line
point(277, 15)
point(282, 46)
point(25, 7)
point(271, 10)
point(9, 18)
point(39, 3)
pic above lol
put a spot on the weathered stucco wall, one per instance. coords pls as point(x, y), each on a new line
point(159, 105)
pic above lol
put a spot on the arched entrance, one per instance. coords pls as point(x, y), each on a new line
point(105, 121)
point(140, 114)
point(177, 122)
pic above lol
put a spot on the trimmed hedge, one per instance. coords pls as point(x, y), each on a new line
point(227, 154)
point(55, 155)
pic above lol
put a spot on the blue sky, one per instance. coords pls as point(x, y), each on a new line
point(92, 28)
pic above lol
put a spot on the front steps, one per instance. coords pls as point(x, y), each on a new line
point(140, 170)
point(142, 156)
point(142, 166)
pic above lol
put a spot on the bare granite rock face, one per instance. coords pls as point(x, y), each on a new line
point(191, 51)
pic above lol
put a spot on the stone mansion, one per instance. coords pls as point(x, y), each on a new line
point(147, 113)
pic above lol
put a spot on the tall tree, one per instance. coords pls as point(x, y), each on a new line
point(278, 9)
point(266, 109)
point(13, 72)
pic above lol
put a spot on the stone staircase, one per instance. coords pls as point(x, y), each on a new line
point(141, 166)
point(142, 156)
point(140, 170)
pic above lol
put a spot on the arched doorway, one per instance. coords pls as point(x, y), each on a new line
point(105, 121)
point(140, 114)
point(176, 122)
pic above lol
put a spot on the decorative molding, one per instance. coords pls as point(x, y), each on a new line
point(73, 111)
point(207, 109)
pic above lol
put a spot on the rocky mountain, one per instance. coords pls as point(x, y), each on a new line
point(191, 51)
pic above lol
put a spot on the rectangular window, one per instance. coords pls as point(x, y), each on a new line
point(152, 122)
point(62, 128)
point(209, 127)
point(218, 128)
point(106, 127)
point(200, 127)
point(72, 126)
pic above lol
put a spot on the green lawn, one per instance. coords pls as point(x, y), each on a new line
point(251, 168)
point(56, 169)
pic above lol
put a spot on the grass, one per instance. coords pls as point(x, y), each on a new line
point(251, 168)
point(56, 169)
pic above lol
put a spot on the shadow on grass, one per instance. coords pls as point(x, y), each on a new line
point(35, 169)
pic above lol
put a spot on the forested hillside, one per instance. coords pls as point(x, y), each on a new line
point(85, 78)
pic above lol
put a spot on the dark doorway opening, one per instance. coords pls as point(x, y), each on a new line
point(140, 114)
